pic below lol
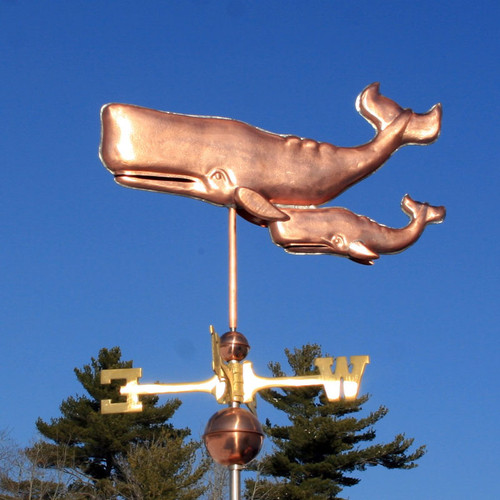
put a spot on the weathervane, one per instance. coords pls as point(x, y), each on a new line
point(275, 181)
point(237, 382)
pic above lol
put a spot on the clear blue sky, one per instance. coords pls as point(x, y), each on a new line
point(87, 264)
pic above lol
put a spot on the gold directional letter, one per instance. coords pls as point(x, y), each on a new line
point(131, 376)
point(349, 380)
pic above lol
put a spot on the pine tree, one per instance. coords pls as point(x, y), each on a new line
point(96, 449)
point(315, 455)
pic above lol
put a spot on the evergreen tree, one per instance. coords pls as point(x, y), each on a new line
point(99, 450)
point(315, 455)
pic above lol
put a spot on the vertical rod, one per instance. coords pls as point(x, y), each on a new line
point(233, 283)
point(234, 470)
point(234, 481)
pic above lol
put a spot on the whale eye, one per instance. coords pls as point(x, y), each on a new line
point(338, 241)
point(218, 175)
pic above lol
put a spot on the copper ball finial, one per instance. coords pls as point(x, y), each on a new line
point(233, 436)
point(233, 346)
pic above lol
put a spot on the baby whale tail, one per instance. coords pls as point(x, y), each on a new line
point(423, 212)
point(381, 111)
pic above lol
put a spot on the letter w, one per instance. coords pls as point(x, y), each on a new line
point(342, 381)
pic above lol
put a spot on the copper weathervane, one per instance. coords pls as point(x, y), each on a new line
point(275, 181)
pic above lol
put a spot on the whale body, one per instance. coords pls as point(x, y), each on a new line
point(231, 163)
point(338, 231)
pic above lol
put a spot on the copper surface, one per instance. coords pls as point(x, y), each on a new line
point(337, 231)
point(231, 163)
point(233, 436)
point(233, 346)
point(233, 270)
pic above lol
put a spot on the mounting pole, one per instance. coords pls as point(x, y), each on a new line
point(233, 269)
point(234, 470)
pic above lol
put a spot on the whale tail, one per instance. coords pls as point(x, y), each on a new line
point(415, 210)
point(381, 111)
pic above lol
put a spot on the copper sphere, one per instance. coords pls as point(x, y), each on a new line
point(233, 346)
point(233, 436)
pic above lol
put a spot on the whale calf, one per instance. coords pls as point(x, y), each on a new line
point(338, 231)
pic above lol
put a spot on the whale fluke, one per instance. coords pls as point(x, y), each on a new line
point(380, 111)
point(415, 210)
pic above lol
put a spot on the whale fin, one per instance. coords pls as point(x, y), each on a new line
point(360, 253)
point(258, 206)
point(380, 111)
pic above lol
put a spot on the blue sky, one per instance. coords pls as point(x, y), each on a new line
point(87, 264)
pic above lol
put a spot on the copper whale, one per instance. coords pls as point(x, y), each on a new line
point(231, 163)
point(337, 231)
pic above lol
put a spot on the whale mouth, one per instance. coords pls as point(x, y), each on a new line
point(304, 248)
point(167, 183)
point(319, 249)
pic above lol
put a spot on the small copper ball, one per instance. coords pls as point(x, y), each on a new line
point(233, 436)
point(233, 346)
